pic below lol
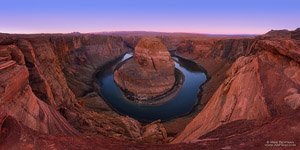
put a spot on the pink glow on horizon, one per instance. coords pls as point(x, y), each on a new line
point(189, 16)
point(169, 30)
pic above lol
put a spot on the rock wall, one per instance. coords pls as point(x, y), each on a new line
point(231, 136)
point(262, 84)
point(18, 100)
point(150, 73)
point(227, 49)
point(43, 79)
point(81, 63)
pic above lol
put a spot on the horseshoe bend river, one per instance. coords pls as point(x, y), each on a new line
point(181, 104)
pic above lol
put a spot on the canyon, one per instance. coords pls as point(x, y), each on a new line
point(48, 96)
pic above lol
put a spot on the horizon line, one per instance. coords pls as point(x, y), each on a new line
point(149, 31)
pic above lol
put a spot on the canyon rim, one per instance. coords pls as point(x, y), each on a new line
point(47, 93)
point(155, 75)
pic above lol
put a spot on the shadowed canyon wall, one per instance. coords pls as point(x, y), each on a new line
point(46, 79)
point(48, 98)
point(262, 83)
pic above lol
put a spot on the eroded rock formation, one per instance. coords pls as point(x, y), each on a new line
point(236, 135)
point(262, 83)
point(150, 73)
point(47, 99)
point(17, 99)
point(44, 76)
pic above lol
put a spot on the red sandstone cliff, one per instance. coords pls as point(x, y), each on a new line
point(262, 83)
point(18, 100)
point(43, 77)
point(241, 134)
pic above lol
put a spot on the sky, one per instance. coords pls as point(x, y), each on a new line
point(191, 16)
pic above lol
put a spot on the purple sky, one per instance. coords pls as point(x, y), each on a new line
point(200, 16)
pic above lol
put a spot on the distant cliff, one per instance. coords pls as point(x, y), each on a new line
point(47, 97)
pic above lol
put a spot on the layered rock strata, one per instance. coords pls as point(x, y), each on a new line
point(255, 101)
point(262, 83)
point(44, 76)
point(18, 100)
point(150, 73)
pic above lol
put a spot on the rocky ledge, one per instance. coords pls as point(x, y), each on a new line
point(46, 86)
point(252, 96)
point(150, 73)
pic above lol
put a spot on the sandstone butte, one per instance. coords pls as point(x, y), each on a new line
point(150, 73)
point(48, 101)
